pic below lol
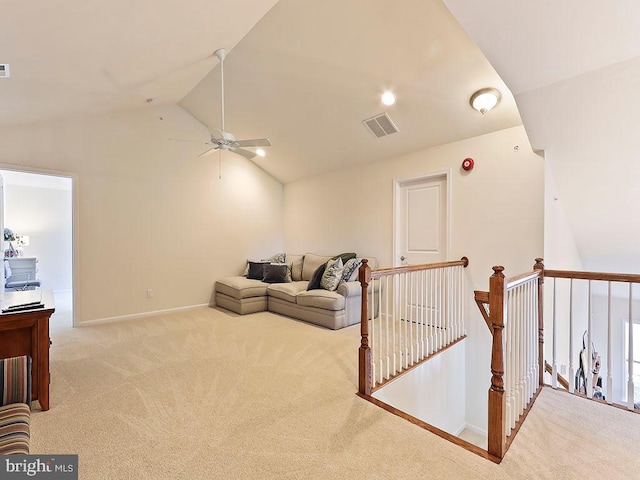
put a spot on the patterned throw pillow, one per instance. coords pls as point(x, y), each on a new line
point(349, 268)
point(332, 275)
point(277, 258)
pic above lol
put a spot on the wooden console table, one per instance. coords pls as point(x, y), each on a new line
point(27, 333)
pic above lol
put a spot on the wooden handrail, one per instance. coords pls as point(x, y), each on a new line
point(482, 300)
point(383, 272)
point(606, 277)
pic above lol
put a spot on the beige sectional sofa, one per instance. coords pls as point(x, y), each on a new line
point(331, 309)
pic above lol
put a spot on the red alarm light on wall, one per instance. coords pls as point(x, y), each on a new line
point(467, 164)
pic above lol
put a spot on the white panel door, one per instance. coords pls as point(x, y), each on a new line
point(422, 225)
point(421, 221)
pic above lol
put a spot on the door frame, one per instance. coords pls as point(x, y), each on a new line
point(75, 215)
point(397, 186)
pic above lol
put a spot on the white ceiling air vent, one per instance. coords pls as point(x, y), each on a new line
point(380, 125)
point(4, 70)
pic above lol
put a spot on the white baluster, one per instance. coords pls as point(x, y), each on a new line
point(391, 297)
point(432, 337)
point(463, 323)
point(588, 367)
point(609, 392)
point(520, 339)
point(572, 371)
point(630, 386)
point(534, 358)
point(554, 369)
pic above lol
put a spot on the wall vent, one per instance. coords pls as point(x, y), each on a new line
point(380, 125)
point(4, 70)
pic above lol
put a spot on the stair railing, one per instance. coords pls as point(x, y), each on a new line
point(409, 313)
point(513, 313)
point(586, 319)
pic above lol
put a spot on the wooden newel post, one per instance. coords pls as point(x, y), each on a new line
point(497, 404)
point(539, 265)
point(364, 353)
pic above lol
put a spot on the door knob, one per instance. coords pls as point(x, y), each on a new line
point(402, 258)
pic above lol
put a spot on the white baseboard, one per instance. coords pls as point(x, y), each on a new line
point(136, 316)
point(474, 429)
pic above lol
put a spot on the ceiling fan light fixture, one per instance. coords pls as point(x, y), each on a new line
point(388, 98)
point(485, 99)
point(260, 152)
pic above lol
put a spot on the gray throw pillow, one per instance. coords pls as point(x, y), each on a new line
point(256, 270)
point(276, 273)
point(345, 257)
point(332, 275)
point(314, 283)
point(288, 274)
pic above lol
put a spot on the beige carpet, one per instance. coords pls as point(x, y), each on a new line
point(206, 395)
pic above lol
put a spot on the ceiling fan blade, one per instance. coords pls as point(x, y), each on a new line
point(256, 142)
point(245, 153)
point(208, 152)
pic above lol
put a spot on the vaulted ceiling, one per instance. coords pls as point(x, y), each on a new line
point(301, 72)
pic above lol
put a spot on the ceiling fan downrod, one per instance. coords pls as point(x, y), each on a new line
point(221, 53)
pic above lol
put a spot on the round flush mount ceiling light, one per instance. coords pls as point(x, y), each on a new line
point(388, 98)
point(260, 152)
point(485, 99)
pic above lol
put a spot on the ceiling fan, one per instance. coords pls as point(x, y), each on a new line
point(227, 141)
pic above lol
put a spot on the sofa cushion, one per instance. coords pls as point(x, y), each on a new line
point(332, 274)
point(321, 299)
point(296, 266)
point(287, 291)
point(276, 273)
point(240, 287)
point(311, 264)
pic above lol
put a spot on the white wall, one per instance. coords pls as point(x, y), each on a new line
point(433, 391)
point(561, 253)
point(497, 218)
point(44, 214)
point(151, 213)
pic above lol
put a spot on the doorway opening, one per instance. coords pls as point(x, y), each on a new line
point(37, 209)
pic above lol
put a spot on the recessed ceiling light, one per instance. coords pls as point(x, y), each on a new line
point(260, 152)
point(388, 98)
